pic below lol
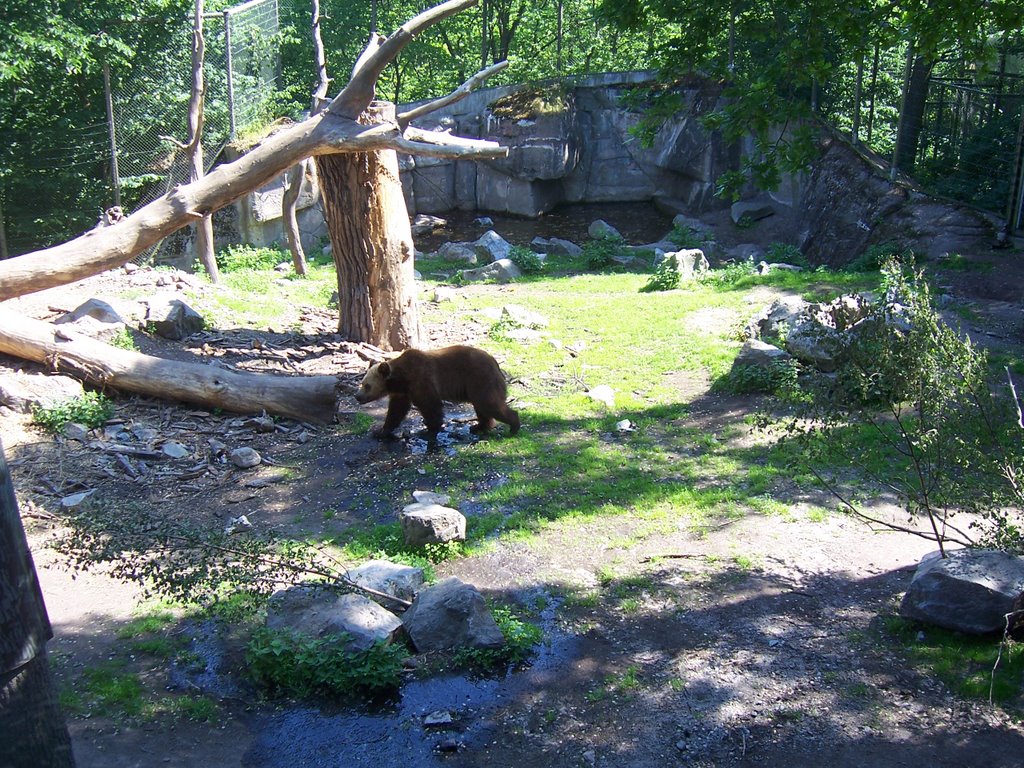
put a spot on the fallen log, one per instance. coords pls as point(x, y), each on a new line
point(306, 398)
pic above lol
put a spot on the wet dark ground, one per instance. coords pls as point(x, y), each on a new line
point(637, 222)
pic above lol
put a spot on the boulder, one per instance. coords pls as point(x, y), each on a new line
point(401, 581)
point(817, 345)
point(968, 591)
point(491, 247)
point(424, 224)
point(501, 271)
point(758, 354)
point(95, 318)
point(750, 211)
point(321, 613)
point(451, 614)
point(602, 230)
point(559, 247)
point(172, 318)
point(431, 524)
point(21, 391)
point(458, 252)
point(690, 263)
point(786, 312)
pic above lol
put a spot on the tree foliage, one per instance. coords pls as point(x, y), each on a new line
point(782, 60)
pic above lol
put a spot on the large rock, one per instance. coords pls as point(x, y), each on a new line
point(401, 581)
point(786, 312)
point(501, 271)
point(451, 614)
point(816, 345)
point(457, 252)
point(21, 391)
point(758, 354)
point(95, 318)
point(690, 263)
point(431, 524)
point(172, 318)
point(321, 613)
point(968, 591)
point(491, 247)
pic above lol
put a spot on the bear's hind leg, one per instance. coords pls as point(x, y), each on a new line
point(484, 424)
point(511, 418)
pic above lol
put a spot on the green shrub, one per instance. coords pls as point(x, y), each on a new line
point(236, 258)
point(292, 664)
point(528, 261)
point(875, 256)
point(600, 253)
point(778, 378)
point(520, 639)
point(783, 253)
point(123, 339)
point(91, 409)
point(685, 237)
point(666, 276)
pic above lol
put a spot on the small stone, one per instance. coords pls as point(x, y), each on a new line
point(75, 499)
point(245, 457)
point(75, 431)
point(625, 426)
point(175, 450)
point(237, 524)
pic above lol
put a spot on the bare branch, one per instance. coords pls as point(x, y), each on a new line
point(443, 144)
point(1016, 400)
point(357, 95)
point(457, 95)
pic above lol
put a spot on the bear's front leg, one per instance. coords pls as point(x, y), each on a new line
point(433, 416)
point(398, 409)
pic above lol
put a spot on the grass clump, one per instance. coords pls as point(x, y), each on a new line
point(666, 276)
point(529, 262)
point(91, 409)
point(521, 637)
point(238, 258)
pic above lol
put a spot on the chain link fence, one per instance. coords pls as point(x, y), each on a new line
point(970, 142)
point(150, 105)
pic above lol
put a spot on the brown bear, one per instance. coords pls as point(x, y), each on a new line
point(424, 378)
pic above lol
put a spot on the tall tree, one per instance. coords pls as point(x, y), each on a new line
point(31, 722)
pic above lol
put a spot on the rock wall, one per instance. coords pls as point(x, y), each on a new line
point(848, 204)
point(581, 151)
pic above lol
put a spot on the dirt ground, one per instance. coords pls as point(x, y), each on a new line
point(757, 642)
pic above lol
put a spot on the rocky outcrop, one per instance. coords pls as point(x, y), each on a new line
point(578, 147)
point(848, 205)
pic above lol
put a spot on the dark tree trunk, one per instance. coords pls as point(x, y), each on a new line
point(372, 243)
point(912, 115)
point(32, 729)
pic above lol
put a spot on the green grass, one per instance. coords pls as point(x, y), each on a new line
point(964, 663)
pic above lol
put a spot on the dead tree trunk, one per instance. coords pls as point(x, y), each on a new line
point(34, 733)
point(372, 243)
point(306, 398)
point(203, 228)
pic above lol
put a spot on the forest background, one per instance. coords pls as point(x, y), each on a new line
point(932, 85)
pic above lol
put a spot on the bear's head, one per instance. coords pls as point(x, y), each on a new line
point(374, 384)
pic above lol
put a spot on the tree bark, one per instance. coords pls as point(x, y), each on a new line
point(372, 243)
point(306, 398)
point(911, 123)
point(203, 228)
point(34, 734)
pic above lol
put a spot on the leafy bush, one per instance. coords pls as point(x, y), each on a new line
point(520, 639)
point(913, 407)
point(783, 253)
point(91, 409)
point(778, 378)
point(123, 339)
point(728, 275)
point(600, 253)
point(236, 258)
point(685, 237)
point(876, 256)
point(666, 276)
point(528, 261)
point(291, 664)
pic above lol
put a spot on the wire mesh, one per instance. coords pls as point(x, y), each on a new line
point(151, 104)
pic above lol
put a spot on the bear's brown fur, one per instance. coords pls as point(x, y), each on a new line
point(425, 378)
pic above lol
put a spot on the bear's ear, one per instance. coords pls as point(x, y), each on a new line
point(385, 370)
